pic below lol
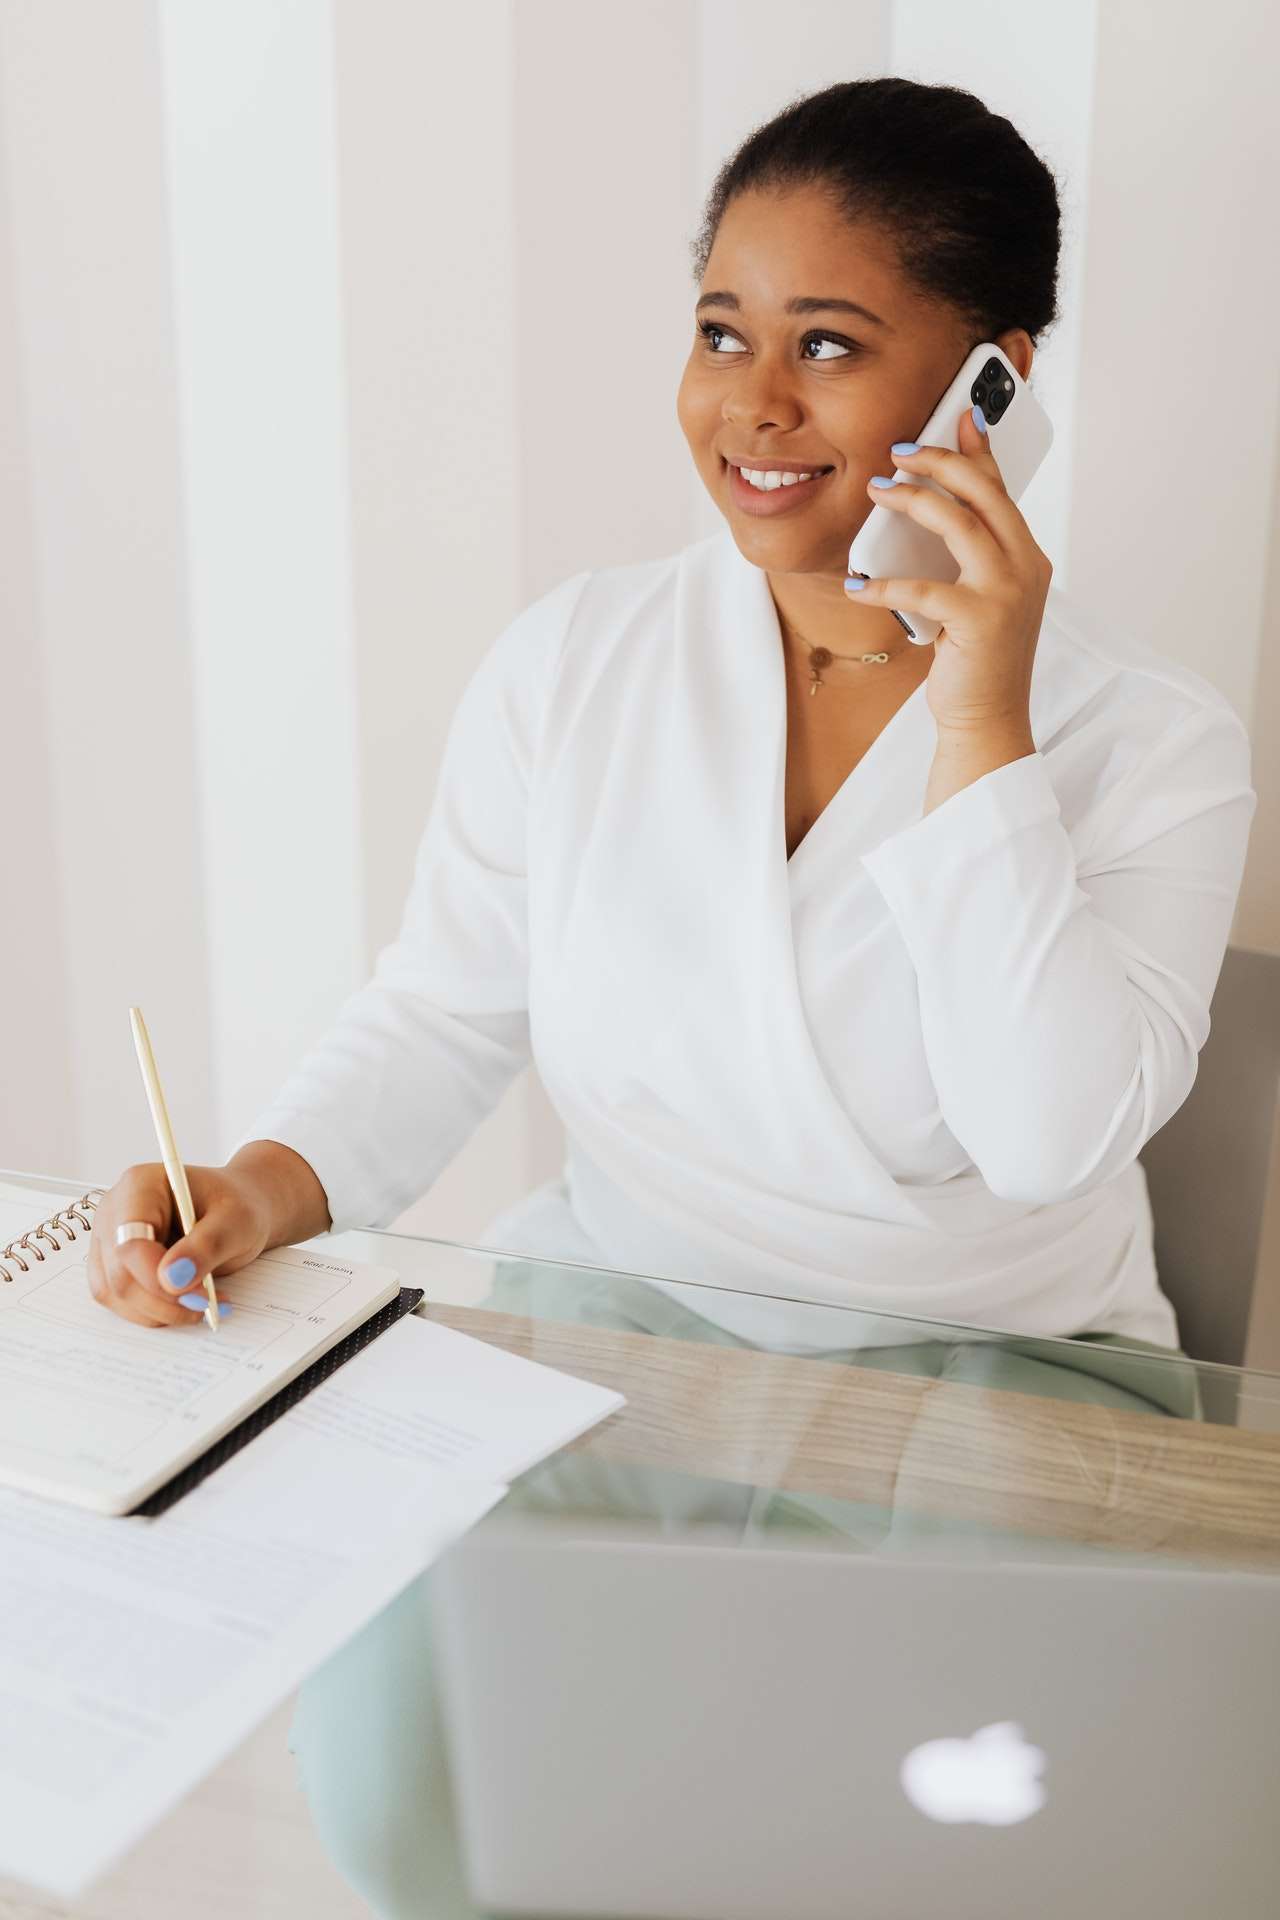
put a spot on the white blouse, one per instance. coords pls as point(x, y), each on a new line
point(909, 1068)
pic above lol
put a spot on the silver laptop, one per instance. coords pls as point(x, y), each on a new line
point(715, 1732)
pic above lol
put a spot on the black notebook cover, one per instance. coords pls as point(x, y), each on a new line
point(288, 1396)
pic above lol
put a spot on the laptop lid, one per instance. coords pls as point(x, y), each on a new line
point(648, 1727)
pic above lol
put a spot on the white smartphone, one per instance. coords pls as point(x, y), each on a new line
point(891, 545)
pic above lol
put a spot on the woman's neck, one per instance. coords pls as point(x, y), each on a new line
point(815, 611)
point(850, 639)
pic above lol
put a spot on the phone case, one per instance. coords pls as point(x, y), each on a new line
point(890, 545)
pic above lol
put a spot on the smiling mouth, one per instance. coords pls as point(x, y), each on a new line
point(776, 499)
point(815, 473)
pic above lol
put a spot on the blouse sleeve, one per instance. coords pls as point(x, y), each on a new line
point(416, 1058)
point(1063, 1002)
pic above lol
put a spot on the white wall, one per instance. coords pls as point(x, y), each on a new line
point(1176, 495)
point(250, 162)
point(330, 335)
point(101, 866)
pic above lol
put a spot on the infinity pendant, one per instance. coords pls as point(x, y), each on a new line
point(822, 657)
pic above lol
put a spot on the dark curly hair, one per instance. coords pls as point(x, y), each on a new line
point(972, 210)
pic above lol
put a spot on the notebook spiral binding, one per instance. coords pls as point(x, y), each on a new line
point(59, 1222)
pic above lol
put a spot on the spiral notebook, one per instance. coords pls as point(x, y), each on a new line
point(120, 1418)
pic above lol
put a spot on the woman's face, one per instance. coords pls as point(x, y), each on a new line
point(826, 387)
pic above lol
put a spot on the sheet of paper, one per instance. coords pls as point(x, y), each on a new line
point(462, 1403)
point(98, 1410)
point(137, 1653)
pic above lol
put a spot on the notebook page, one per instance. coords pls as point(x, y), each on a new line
point(98, 1411)
point(140, 1651)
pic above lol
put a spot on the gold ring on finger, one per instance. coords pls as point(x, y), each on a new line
point(134, 1230)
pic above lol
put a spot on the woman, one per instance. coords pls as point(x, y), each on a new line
point(854, 980)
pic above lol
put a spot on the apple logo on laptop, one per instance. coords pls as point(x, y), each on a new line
point(991, 1777)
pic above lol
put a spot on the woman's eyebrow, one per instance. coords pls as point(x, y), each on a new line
point(803, 303)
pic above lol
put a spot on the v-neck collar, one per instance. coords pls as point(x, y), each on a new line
point(883, 792)
point(844, 801)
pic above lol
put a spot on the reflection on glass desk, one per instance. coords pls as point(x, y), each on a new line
point(835, 1427)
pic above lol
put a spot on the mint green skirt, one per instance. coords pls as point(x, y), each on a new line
point(366, 1733)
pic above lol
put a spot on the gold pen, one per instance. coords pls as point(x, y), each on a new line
point(168, 1146)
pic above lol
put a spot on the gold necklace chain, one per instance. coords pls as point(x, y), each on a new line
point(820, 657)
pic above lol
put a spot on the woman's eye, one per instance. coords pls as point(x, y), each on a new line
point(707, 327)
point(847, 347)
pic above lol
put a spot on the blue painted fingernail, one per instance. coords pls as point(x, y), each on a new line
point(199, 1301)
point(854, 586)
point(904, 446)
point(979, 420)
point(179, 1272)
point(884, 479)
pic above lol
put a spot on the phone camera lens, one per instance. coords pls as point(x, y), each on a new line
point(992, 390)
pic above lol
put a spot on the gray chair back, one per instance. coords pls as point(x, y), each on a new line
point(1208, 1168)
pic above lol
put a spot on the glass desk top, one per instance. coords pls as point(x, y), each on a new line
point(826, 1425)
point(828, 1431)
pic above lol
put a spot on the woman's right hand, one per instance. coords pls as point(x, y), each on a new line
point(233, 1226)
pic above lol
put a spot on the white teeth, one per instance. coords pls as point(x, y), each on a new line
point(766, 482)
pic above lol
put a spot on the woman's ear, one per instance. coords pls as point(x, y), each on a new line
point(1016, 345)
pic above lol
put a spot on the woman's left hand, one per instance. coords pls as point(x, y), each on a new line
point(980, 680)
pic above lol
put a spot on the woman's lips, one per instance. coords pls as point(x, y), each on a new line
point(779, 500)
